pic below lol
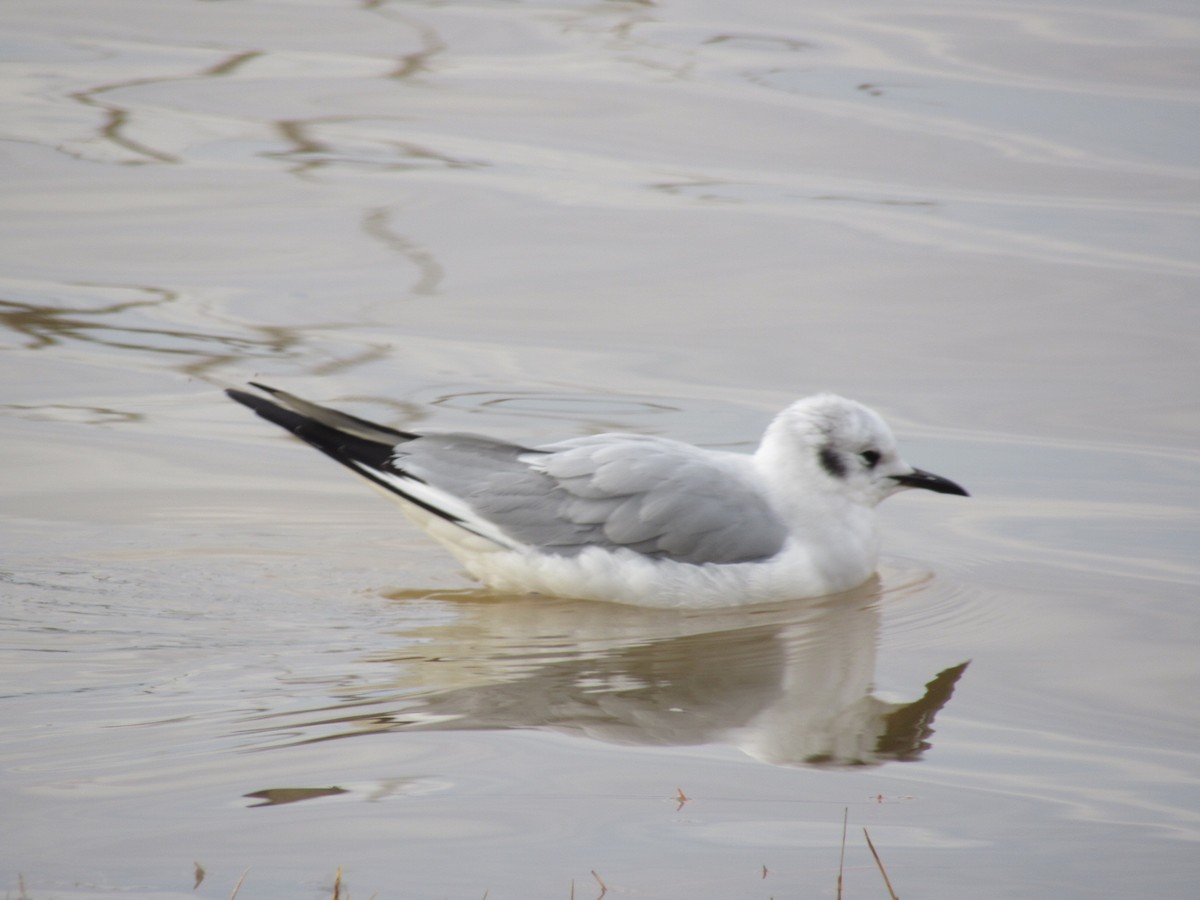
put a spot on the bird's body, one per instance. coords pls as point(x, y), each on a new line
point(636, 519)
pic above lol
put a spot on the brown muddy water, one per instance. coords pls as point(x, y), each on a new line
point(539, 220)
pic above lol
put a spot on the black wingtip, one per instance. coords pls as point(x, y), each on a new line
point(271, 411)
point(340, 445)
point(253, 401)
point(365, 456)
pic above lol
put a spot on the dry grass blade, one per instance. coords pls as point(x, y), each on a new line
point(603, 886)
point(337, 884)
point(879, 862)
point(237, 887)
point(199, 874)
point(842, 858)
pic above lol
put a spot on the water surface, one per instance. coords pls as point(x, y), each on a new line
point(540, 220)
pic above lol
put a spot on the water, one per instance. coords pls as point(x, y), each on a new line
point(539, 220)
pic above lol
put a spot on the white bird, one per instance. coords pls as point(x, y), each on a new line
point(636, 519)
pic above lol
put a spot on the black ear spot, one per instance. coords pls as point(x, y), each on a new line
point(870, 457)
point(832, 463)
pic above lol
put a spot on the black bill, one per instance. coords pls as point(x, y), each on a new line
point(918, 478)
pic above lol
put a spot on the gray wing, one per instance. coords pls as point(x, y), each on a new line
point(654, 496)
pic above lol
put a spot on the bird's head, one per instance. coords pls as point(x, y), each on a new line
point(842, 447)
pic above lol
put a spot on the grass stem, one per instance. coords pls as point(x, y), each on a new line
point(842, 859)
point(879, 862)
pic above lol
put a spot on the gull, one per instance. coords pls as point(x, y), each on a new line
point(633, 518)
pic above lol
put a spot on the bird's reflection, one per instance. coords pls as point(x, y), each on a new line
point(790, 684)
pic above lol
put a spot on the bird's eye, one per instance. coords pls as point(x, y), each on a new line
point(870, 458)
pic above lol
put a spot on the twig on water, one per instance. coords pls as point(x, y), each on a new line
point(842, 858)
point(879, 862)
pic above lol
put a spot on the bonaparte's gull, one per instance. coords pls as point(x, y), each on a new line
point(638, 519)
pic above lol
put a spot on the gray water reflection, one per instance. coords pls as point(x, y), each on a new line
point(121, 325)
point(46, 324)
point(93, 319)
point(790, 684)
point(359, 141)
point(430, 273)
point(118, 122)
